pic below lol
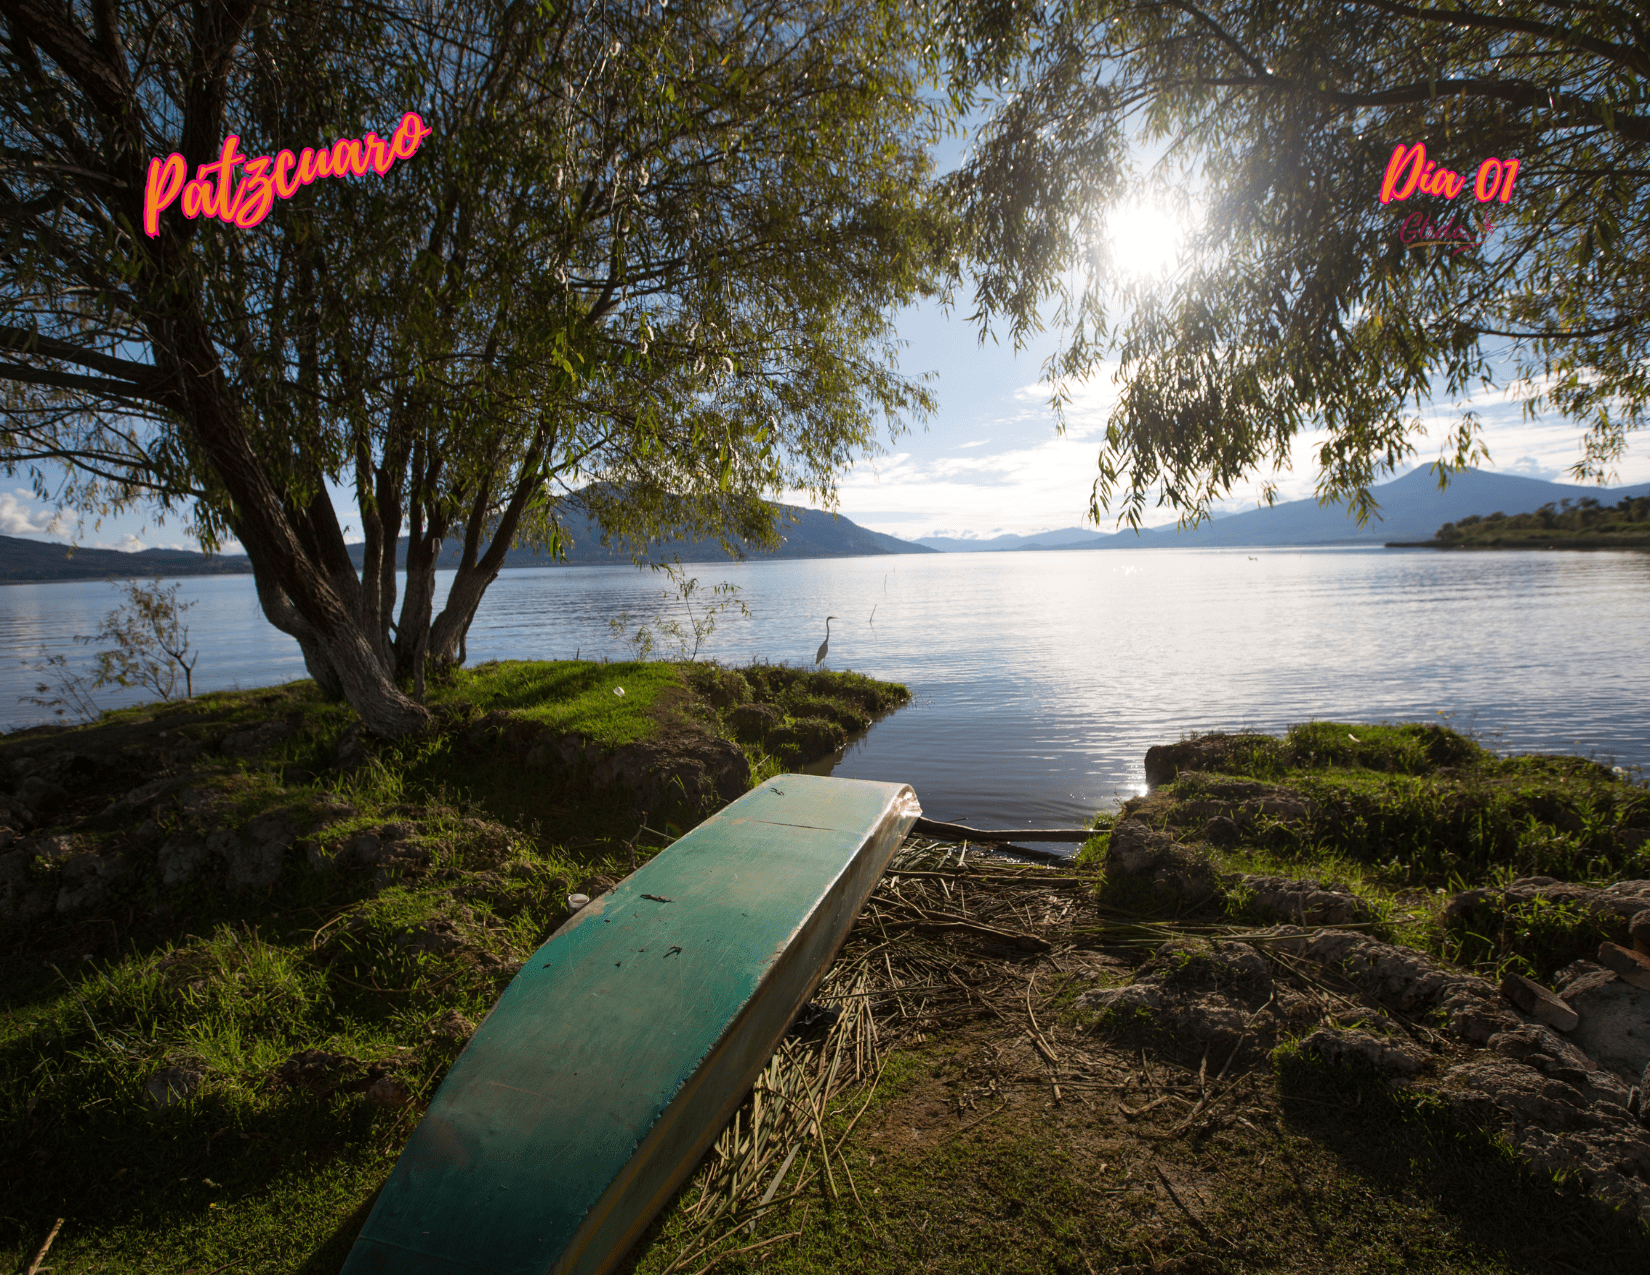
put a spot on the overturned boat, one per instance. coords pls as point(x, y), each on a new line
point(616, 1056)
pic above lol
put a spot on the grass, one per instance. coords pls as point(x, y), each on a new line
point(265, 1164)
point(962, 1160)
point(568, 695)
point(1409, 814)
point(1327, 1174)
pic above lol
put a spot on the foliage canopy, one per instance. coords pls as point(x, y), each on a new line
point(1297, 305)
point(647, 252)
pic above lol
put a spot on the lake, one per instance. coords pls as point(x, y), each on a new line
point(1040, 678)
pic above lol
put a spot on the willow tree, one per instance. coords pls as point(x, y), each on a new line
point(1303, 299)
point(649, 252)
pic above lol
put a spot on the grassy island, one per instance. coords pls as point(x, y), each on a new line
point(1582, 524)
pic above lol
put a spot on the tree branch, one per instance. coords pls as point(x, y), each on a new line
point(72, 381)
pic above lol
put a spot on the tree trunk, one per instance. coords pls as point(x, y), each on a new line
point(448, 632)
point(476, 570)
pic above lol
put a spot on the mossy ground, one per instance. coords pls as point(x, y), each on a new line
point(1314, 1172)
point(1409, 815)
point(964, 1160)
point(258, 1171)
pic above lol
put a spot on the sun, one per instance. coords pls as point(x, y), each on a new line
point(1146, 240)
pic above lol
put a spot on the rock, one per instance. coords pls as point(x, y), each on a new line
point(354, 746)
point(1615, 905)
point(438, 934)
point(1306, 901)
point(171, 1086)
point(1630, 966)
point(452, 1026)
point(21, 898)
point(1540, 1097)
point(86, 880)
point(1536, 1001)
point(700, 768)
point(142, 795)
point(1638, 930)
point(1223, 831)
point(594, 886)
point(254, 863)
point(1399, 977)
point(1539, 1046)
point(256, 739)
point(1139, 853)
point(1573, 973)
point(180, 859)
point(38, 794)
point(1614, 1027)
point(202, 804)
point(55, 851)
point(1347, 1048)
point(1135, 996)
point(752, 721)
point(314, 1069)
point(1203, 796)
point(1174, 987)
point(1206, 752)
point(386, 1091)
point(807, 738)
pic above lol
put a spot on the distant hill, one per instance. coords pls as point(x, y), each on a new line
point(815, 535)
point(25, 560)
point(1412, 508)
point(1067, 538)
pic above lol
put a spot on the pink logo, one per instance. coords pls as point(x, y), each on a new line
point(1421, 231)
point(262, 179)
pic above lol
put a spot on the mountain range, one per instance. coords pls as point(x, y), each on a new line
point(813, 535)
point(1412, 509)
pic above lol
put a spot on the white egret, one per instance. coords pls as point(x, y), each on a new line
point(819, 657)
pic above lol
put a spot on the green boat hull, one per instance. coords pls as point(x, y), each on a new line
point(622, 1048)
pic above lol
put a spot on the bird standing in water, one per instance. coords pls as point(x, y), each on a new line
point(819, 657)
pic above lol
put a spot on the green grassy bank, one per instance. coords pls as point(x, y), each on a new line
point(209, 1077)
point(213, 1070)
point(1412, 815)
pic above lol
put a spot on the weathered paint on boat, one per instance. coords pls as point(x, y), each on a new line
point(622, 1048)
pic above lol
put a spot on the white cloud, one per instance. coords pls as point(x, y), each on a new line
point(1044, 481)
point(20, 519)
point(978, 442)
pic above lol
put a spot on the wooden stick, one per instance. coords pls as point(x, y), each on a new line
point(1190, 1216)
point(790, 1235)
point(34, 1266)
point(959, 832)
point(1047, 880)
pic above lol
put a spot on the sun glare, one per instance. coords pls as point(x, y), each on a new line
point(1145, 240)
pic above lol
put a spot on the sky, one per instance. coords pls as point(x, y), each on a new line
point(991, 460)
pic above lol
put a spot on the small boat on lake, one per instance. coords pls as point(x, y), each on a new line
point(623, 1047)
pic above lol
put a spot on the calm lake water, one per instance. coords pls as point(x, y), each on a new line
point(1040, 679)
